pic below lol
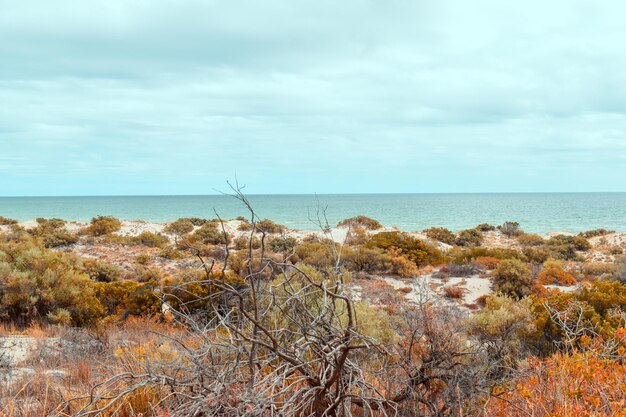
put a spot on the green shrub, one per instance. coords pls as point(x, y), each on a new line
point(596, 232)
point(126, 298)
point(578, 242)
point(485, 227)
point(510, 229)
point(620, 269)
point(537, 255)
point(363, 259)
point(616, 250)
point(196, 221)
point(169, 252)
point(469, 238)
point(103, 225)
point(530, 239)
point(179, 227)
point(4, 221)
point(269, 226)
point(37, 284)
point(513, 278)
point(243, 242)
point(441, 234)
point(466, 255)
point(151, 240)
point(52, 232)
point(283, 244)
point(412, 248)
point(318, 254)
point(209, 234)
point(101, 271)
point(362, 221)
point(143, 259)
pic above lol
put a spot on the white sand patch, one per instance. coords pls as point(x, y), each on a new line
point(563, 288)
point(137, 227)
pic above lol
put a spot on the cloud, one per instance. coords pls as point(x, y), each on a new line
point(144, 97)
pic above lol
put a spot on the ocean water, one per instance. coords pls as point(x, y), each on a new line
point(539, 213)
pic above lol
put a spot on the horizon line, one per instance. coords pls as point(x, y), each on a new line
point(312, 194)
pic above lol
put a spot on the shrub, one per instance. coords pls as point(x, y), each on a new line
point(283, 244)
point(453, 292)
point(596, 232)
point(196, 221)
point(553, 274)
point(362, 221)
point(36, 282)
point(363, 259)
point(413, 249)
point(458, 270)
point(100, 271)
point(319, 254)
point(357, 236)
point(536, 255)
point(530, 239)
point(513, 278)
point(179, 227)
point(169, 252)
point(485, 227)
point(401, 265)
point(441, 234)
point(4, 221)
point(466, 255)
point(616, 250)
point(577, 242)
point(598, 269)
point(510, 229)
point(469, 238)
point(620, 269)
point(151, 240)
point(143, 259)
point(209, 234)
point(269, 226)
point(103, 225)
point(243, 242)
point(126, 298)
point(487, 262)
point(52, 232)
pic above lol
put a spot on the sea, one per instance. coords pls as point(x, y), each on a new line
point(536, 212)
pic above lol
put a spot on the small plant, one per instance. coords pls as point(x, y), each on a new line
point(441, 234)
point(269, 226)
point(485, 227)
point(143, 259)
point(282, 244)
point(4, 221)
point(103, 225)
point(530, 239)
point(179, 227)
point(151, 240)
point(510, 229)
point(513, 278)
point(453, 292)
point(469, 238)
point(362, 221)
point(596, 232)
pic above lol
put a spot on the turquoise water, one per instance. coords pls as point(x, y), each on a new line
point(572, 212)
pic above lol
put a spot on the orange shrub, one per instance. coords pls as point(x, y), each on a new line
point(568, 386)
point(487, 262)
point(453, 292)
point(555, 276)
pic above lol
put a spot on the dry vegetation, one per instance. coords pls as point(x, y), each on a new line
point(212, 318)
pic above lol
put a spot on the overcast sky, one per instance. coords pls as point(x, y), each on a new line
point(176, 96)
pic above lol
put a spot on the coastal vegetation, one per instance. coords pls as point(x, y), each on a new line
point(246, 317)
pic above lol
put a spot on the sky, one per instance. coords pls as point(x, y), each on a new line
point(122, 97)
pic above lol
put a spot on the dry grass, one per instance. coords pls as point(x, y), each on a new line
point(453, 292)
